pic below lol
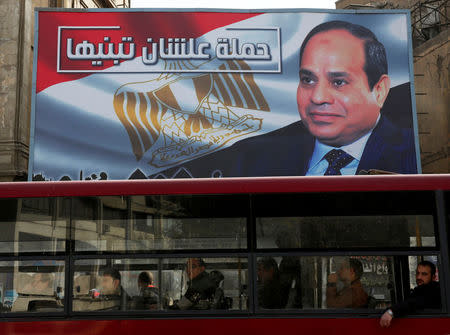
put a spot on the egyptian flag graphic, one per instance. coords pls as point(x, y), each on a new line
point(100, 112)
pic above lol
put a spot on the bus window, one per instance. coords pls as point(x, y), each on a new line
point(142, 223)
point(311, 282)
point(97, 286)
point(33, 225)
point(335, 282)
point(32, 286)
point(346, 231)
point(345, 220)
point(160, 284)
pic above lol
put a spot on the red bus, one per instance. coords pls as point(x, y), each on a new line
point(122, 257)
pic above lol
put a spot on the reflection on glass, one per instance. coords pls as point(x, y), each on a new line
point(294, 282)
point(32, 286)
point(160, 284)
point(32, 225)
point(345, 231)
point(159, 223)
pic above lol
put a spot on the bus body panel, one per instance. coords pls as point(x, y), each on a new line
point(308, 326)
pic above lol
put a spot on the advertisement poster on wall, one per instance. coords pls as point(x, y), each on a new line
point(136, 94)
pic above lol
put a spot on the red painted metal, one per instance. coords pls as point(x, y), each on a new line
point(227, 185)
point(316, 326)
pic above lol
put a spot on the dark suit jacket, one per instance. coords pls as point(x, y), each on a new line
point(287, 151)
point(422, 297)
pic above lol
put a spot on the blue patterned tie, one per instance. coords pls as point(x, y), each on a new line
point(336, 159)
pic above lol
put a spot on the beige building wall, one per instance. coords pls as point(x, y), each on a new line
point(15, 87)
point(431, 77)
point(432, 81)
point(16, 68)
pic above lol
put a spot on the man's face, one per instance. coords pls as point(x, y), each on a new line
point(333, 95)
point(345, 273)
point(423, 275)
point(193, 268)
point(109, 285)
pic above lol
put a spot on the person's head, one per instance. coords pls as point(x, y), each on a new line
point(425, 273)
point(267, 269)
point(194, 267)
point(110, 281)
point(350, 270)
point(145, 279)
point(343, 82)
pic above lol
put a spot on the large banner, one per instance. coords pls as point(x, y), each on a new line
point(127, 94)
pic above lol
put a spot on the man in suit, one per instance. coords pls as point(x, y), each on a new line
point(426, 295)
point(343, 86)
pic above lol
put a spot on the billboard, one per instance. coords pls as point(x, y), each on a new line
point(128, 94)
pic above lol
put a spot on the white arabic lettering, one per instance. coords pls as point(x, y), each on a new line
point(248, 51)
point(87, 51)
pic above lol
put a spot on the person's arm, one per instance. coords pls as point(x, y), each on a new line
point(401, 309)
point(421, 297)
point(386, 318)
point(190, 298)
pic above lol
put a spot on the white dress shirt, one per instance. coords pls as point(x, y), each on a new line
point(318, 164)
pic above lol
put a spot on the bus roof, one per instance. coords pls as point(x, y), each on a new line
point(226, 185)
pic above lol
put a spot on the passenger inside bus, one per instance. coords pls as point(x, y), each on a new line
point(269, 286)
point(427, 294)
point(99, 292)
point(111, 290)
point(201, 287)
point(148, 293)
point(352, 295)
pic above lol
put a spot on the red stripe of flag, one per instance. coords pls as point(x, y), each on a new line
point(139, 25)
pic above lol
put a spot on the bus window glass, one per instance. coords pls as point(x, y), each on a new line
point(302, 282)
point(32, 286)
point(346, 231)
point(142, 223)
point(161, 284)
point(33, 225)
point(100, 223)
point(336, 282)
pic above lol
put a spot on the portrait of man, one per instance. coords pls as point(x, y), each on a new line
point(343, 85)
point(284, 93)
point(343, 129)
